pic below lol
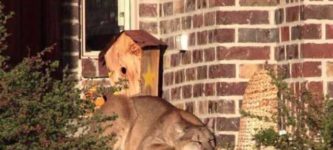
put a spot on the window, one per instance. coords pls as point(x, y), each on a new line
point(102, 21)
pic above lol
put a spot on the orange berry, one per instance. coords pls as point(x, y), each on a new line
point(99, 101)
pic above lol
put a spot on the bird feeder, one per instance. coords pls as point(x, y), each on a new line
point(136, 56)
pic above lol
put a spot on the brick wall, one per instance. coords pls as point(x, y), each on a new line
point(232, 39)
point(71, 38)
point(305, 48)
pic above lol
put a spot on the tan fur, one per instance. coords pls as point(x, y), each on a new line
point(151, 123)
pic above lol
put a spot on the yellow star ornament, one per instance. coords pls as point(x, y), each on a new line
point(149, 78)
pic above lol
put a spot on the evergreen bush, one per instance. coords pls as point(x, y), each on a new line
point(40, 111)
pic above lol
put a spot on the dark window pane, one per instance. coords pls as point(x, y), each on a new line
point(101, 23)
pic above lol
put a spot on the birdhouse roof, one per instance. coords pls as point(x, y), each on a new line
point(142, 38)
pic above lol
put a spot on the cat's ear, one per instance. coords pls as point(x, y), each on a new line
point(209, 122)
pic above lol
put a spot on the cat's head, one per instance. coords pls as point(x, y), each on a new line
point(195, 138)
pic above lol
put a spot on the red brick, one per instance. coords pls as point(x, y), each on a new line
point(150, 27)
point(169, 26)
point(197, 56)
point(311, 31)
point(175, 93)
point(258, 35)
point(226, 140)
point(227, 124)
point(285, 34)
point(224, 35)
point(242, 17)
point(279, 16)
point(279, 53)
point(317, 50)
point(243, 53)
point(209, 54)
point(296, 70)
point(202, 37)
point(189, 107)
point(175, 60)
point(148, 10)
point(292, 51)
point(201, 4)
point(187, 91)
point(210, 89)
point(190, 5)
point(329, 31)
point(311, 69)
point(228, 89)
point(175, 25)
point(316, 88)
point(164, 26)
point(198, 90)
point(170, 42)
point(167, 9)
point(215, 3)
point(318, 12)
point(222, 71)
point(202, 72)
point(190, 74)
point(168, 78)
point(258, 2)
point(292, 13)
point(197, 21)
point(210, 18)
point(306, 69)
point(186, 57)
point(192, 39)
point(179, 76)
point(88, 68)
point(221, 107)
point(186, 22)
point(296, 32)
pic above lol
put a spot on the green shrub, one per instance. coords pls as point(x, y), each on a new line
point(39, 111)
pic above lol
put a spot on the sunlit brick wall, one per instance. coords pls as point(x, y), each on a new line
point(305, 50)
point(232, 39)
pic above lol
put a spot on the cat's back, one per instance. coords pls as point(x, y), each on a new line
point(150, 105)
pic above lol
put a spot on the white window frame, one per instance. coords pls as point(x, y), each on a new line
point(129, 22)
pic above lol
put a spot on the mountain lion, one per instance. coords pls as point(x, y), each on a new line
point(151, 123)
